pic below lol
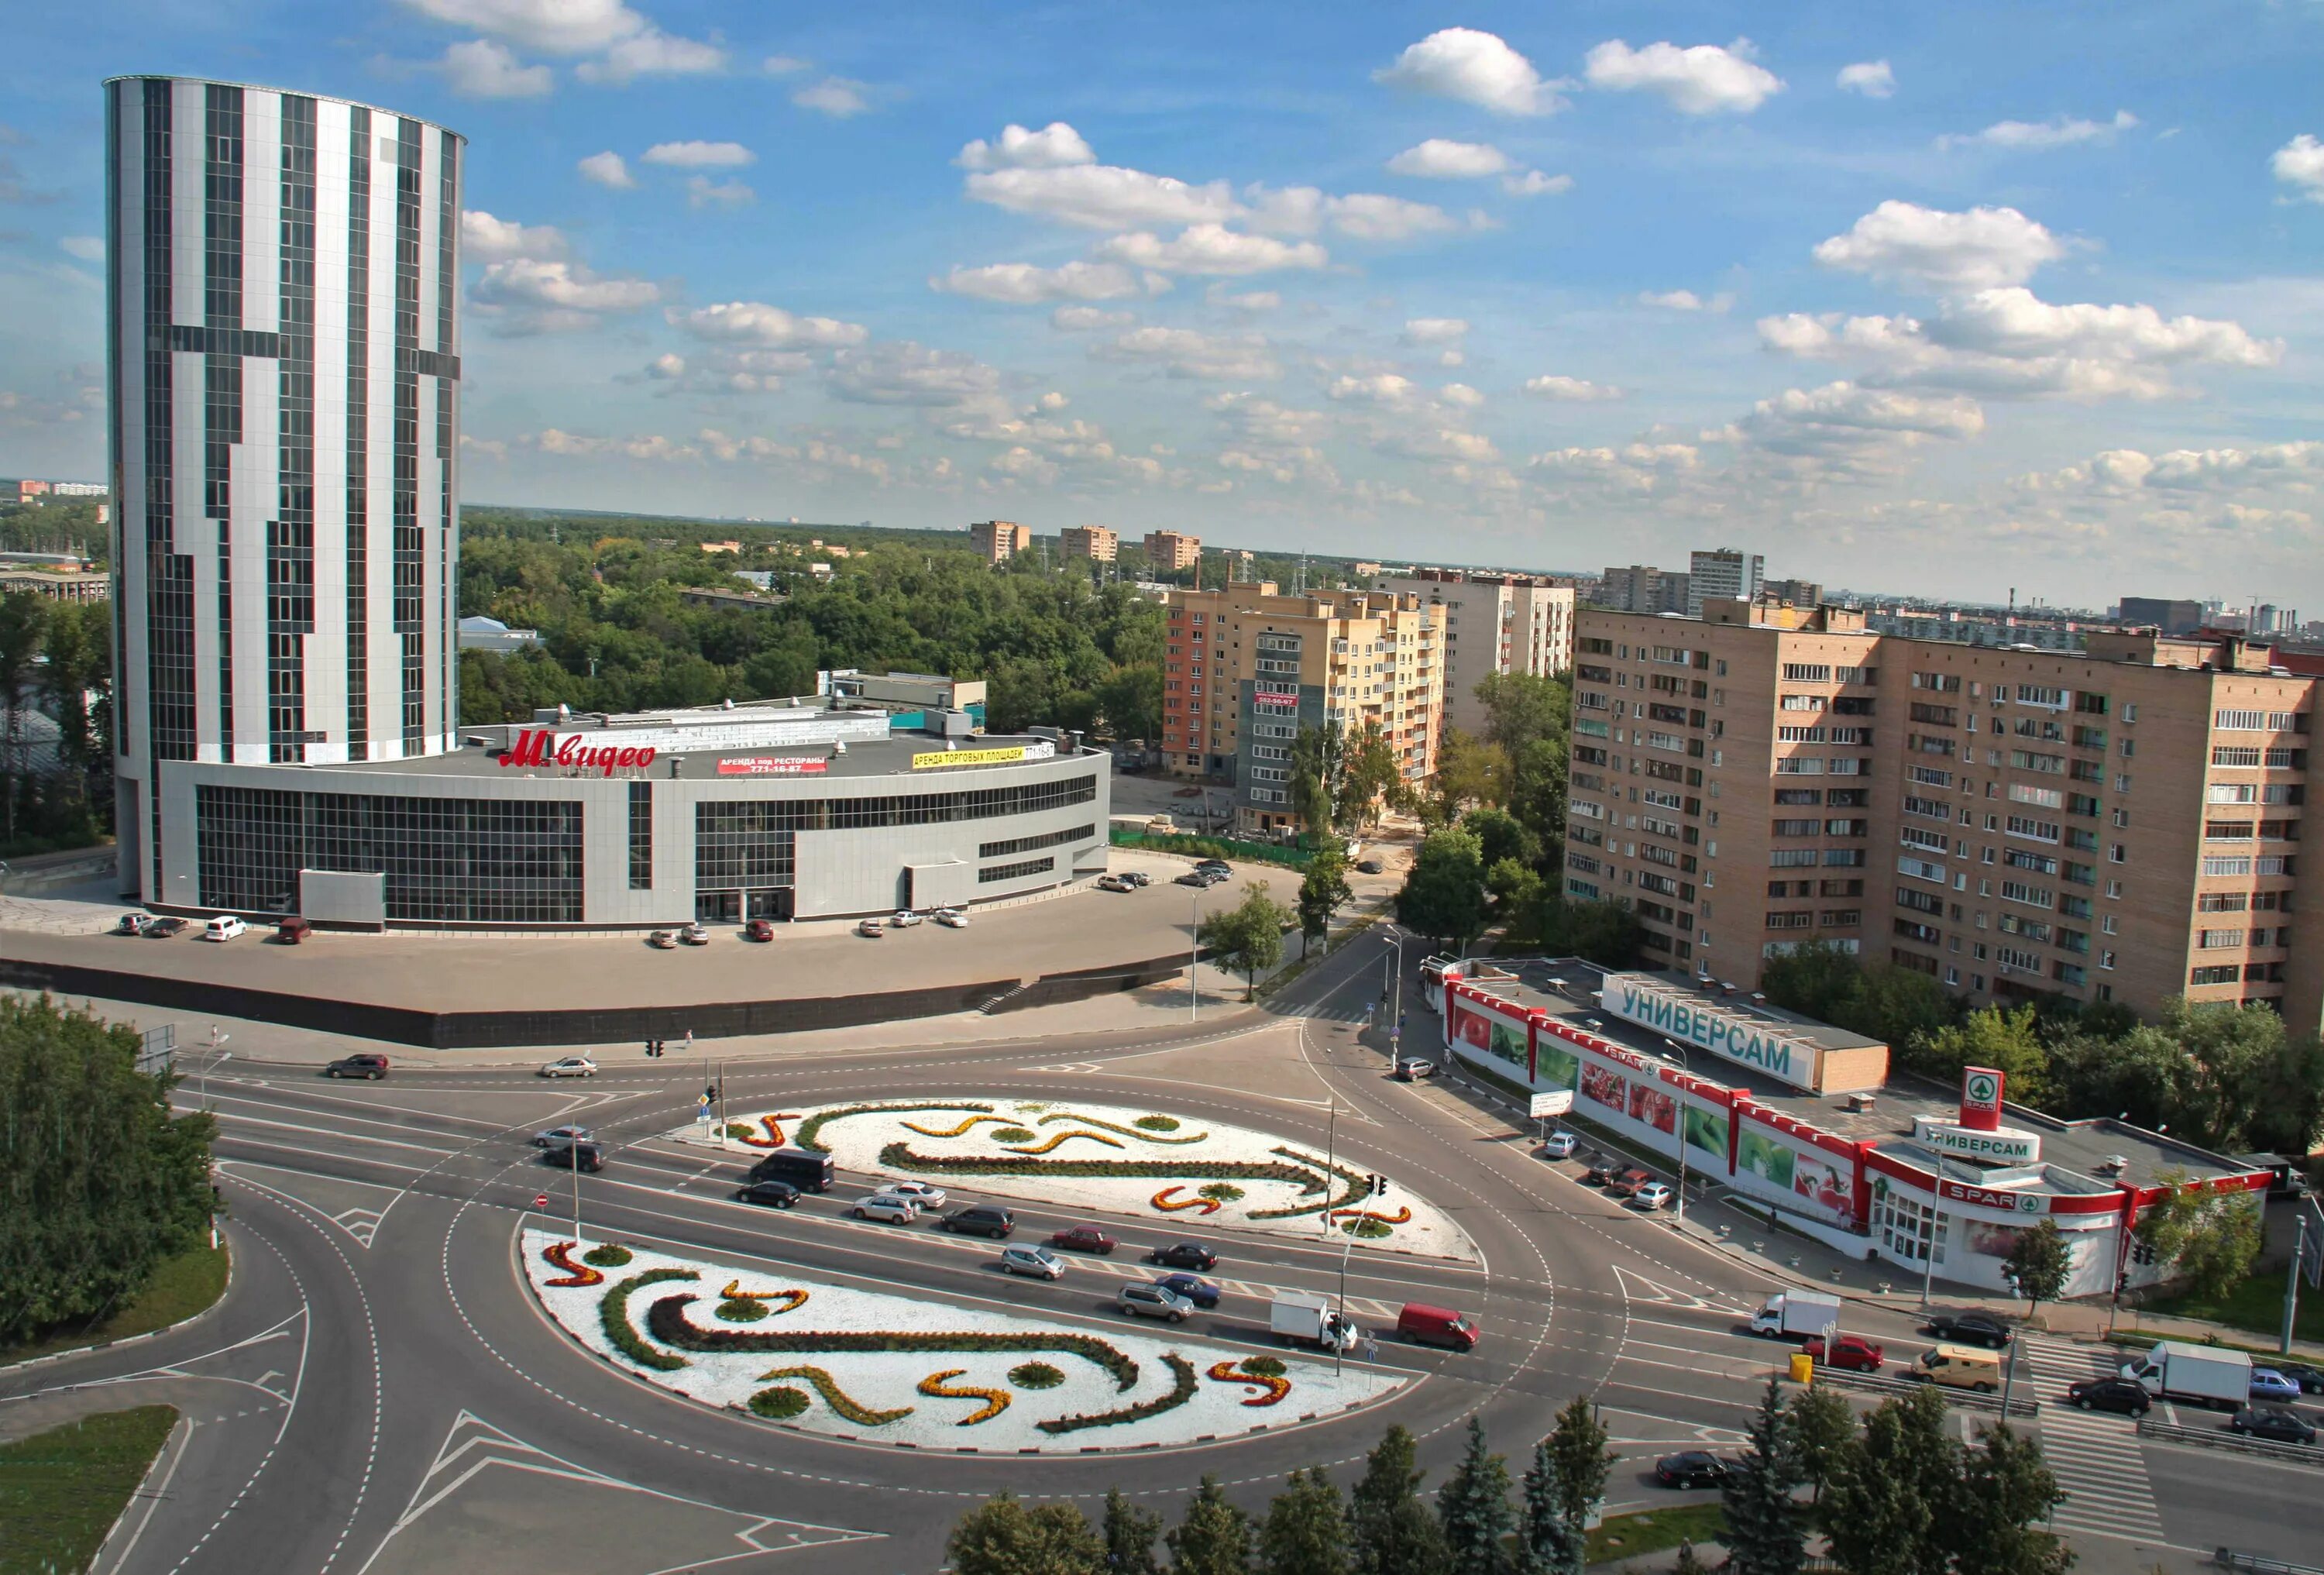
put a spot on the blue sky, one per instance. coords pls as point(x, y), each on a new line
point(1943, 298)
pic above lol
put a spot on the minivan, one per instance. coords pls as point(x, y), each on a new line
point(802, 1167)
point(1960, 1366)
point(981, 1220)
point(225, 927)
point(293, 930)
point(1425, 1325)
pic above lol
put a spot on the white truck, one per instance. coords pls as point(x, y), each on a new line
point(2174, 1370)
point(1796, 1314)
point(1303, 1318)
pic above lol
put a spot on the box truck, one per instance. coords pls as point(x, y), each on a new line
point(1796, 1314)
point(1303, 1318)
point(2174, 1370)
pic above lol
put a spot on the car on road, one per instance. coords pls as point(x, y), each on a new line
point(904, 919)
point(586, 1156)
point(1370, 867)
point(759, 929)
point(1691, 1469)
point(1084, 1239)
point(920, 1194)
point(1144, 1301)
point(1558, 1145)
point(2309, 1380)
point(887, 1211)
point(1189, 1255)
point(1969, 1328)
point(1854, 1353)
point(952, 919)
point(1201, 1292)
point(662, 940)
point(1033, 1262)
point(891, 1196)
point(1413, 1070)
point(695, 935)
point(2276, 1424)
point(570, 1066)
point(1625, 1183)
point(1424, 1325)
point(2268, 1384)
point(559, 1136)
point(132, 923)
point(769, 1194)
point(225, 927)
point(161, 929)
point(2128, 1395)
point(1104, 883)
point(369, 1068)
point(981, 1220)
point(1651, 1196)
point(871, 928)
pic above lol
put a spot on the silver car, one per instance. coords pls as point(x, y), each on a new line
point(1141, 1300)
point(570, 1066)
point(562, 1136)
point(1038, 1262)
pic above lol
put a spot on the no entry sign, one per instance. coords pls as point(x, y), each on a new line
point(540, 1199)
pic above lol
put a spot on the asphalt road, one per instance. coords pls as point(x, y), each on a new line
point(379, 1394)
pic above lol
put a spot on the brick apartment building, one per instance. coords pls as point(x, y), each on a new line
point(1493, 624)
point(999, 540)
point(2120, 824)
point(1168, 551)
point(1246, 667)
point(1094, 542)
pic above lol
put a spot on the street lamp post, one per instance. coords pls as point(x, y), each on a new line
point(217, 1039)
point(1396, 1008)
point(1929, 1253)
point(1688, 1067)
point(1194, 962)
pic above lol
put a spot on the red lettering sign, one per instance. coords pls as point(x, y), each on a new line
point(537, 747)
point(774, 766)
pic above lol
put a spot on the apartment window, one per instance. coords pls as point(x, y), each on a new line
point(1029, 844)
point(2229, 720)
point(2042, 696)
point(2046, 798)
point(2235, 755)
point(2228, 831)
point(1802, 703)
point(2218, 940)
point(1791, 921)
point(1792, 859)
point(1796, 828)
point(2032, 896)
point(2215, 973)
point(1806, 672)
point(2279, 760)
point(2040, 831)
point(2117, 855)
point(1799, 766)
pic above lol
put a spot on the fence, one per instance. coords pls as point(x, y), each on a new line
point(1965, 1399)
point(1213, 847)
point(2253, 1564)
point(2219, 1438)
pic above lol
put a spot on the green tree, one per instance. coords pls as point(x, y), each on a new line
point(1538, 782)
point(1562, 1487)
point(1322, 891)
point(1521, 708)
point(2040, 1262)
point(1214, 1538)
point(1516, 893)
point(1247, 938)
point(2206, 1240)
point(1443, 896)
point(2013, 1491)
point(1994, 1037)
point(1129, 1534)
point(1305, 1532)
point(1875, 1516)
point(1372, 775)
point(98, 1181)
point(1501, 836)
point(1470, 771)
point(1604, 932)
point(1764, 1535)
point(1131, 701)
point(1004, 1536)
point(1821, 1425)
point(1390, 1528)
point(1473, 1507)
point(1319, 769)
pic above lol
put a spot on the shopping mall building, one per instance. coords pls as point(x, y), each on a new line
point(284, 366)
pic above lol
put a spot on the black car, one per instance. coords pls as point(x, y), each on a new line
point(1690, 1468)
point(582, 1157)
point(2124, 1394)
point(771, 1194)
point(371, 1068)
point(1368, 867)
point(981, 1220)
point(1195, 1289)
point(1603, 1168)
point(1186, 1254)
point(1220, 865)
point(2309, 1380)
point(2277, 1424)
point(1971, 1328)
point(161, 929)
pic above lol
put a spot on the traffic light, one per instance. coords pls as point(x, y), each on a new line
point(1380, 1186)
point(710, 1095)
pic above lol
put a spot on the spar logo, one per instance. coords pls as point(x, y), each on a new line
point(538, 747)
point(1981, 1089)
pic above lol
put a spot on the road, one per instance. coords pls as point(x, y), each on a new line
point(379, 1394)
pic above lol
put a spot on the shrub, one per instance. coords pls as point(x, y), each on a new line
point(741, 1309)
point(1221, 1192)
point(1157, 1123)
point(838, 1399)
point(1366, 1229)
point(778, 1405)
point(1151, 1135)
point(940, 1385)
point(1036, 1375)
point(608, 1255)
point(614, 1315)
point(1182, 1389)
point(899, 1157)
point(1266, 1367)
point(735, 1130)
point(805, 1138)
point(1011, 1135)
point(667, 1321)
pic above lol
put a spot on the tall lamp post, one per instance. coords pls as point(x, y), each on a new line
point(1396, 1009)
point(1195, 961)
point(1688, 1067)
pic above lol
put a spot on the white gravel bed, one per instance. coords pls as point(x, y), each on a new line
point(889, 1381)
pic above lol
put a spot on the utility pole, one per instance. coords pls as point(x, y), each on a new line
point(1929, 1254)
point(2299, 1251)
point(1194, 962)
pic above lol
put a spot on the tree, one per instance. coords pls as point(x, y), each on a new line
point(1562, 1486)
point(1501, 836)
point(1129, 1534)
point(2013, 1491)
point(1537, 796)
point(1763, 1534)
point(2039, 1263)
point(1321, 892)
point(1305, 1532)
point(1470, 771)
point(1247, 938)
point(1214, 1538)
point(1893, 1486)
point(1003, 1536)
point(1516, 892)
point(1373, 773)
point(2205, 1241)
point(1443, 896)
point(1521, 708)
point(1473, 1507)
point(1131, 701)
point(1604, 933)
point(1319, 770)
point(2005, 1041)
point(1821, 1425)
point(1391, 1531)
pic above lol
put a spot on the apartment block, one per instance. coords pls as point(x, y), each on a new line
point(1168, 551)
point(999, 540)
point(1722, 574)
point(1094, 542)
point(1800, 593)
point(2172, 617)
point(1493, 624)
point(1643, 588)
point(1245, 667)
point(2120, 824)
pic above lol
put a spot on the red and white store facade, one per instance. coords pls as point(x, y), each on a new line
point(1843, 1191)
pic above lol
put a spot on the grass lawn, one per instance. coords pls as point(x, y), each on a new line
point(1649, 1531)
point(180, 1288)
point(2256, 1304)
point(61, 1490)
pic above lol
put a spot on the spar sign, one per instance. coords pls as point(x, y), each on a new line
point(1981, 1100)
point(1749, 1041)
point(538, 747)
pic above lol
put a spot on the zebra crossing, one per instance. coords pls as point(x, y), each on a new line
point(2095, 1457)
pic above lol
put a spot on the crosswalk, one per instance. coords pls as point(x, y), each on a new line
point(2094, 1456)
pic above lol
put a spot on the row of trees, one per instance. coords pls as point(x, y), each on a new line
point(56, 661)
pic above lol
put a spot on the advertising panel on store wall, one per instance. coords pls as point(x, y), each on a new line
point(1795, 1172)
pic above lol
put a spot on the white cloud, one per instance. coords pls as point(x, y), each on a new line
point(1571, 390)
point(2014, 322)
point(541, 295)
point(1025, 283)
point(1460, 396)
point(564, 27)
point(1303, 210)
point(1433, 330)
point(667, 365)
point(785, 65)
point(1685, 300)
point(836, 96)
point(607, 169)
point(1253, 300)
point(1376, 388)
point(1705, 79)
point(480, 68)
point(575, 445)
point(699, 155)
point(2300, 164)
point(1873, 78)
point(750, 322)
point(1083, 319)
point(1188, 352)
point(2035, 136)
point(486, 239)
point(1475, 67)
point(653, 53)
point(1103, 197)
point(88, 248)
point(1854, 427)
point(701, 191)
point(1213, 249)
point(1438, 159)
point(1055, 146)
point(899, 371)
point(1940, 251)
point(1533, 183)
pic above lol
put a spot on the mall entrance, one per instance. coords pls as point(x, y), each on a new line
point(731, 908)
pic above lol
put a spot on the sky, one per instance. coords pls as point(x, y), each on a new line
point(1953, 301)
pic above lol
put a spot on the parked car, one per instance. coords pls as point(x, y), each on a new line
point(1193, 877)
point(981, 1220)
point(1370, 867)
point(1602, 1168)
point(873, 928)
point(570, 1066)
point(161, 929)
point(293, 931)
point(1084, 1239)
point(1415, 1069)
point(952, 919)
point(1854, 1352)
point(2128, 1395)
point(1138, 877)
point(371, 1068)
point(1969, 1328)
point(759, 929)
point(1691, 1469)
point(1626, 1181)
point(887, 1210)
point(905, 919)
point(1653, 1195)
point(225, 927)
point(2309, 1380)
point(1220, 865)
point(1145, 1301)
point(559, 1136)
point(2276, 1424)
point(662, 941)
point(1201, 1292)
point(1104, 883)
point(769, 1194)
point(695, 935)
point(1191, 1254)
point(1213, 877)
point(2268, 1384)
point(1035, 1262)
point(1558, 1145)
point(582, 1157)
point(922, 1195)
point(132, 923)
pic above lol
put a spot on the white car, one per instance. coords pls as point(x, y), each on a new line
point(225, 927)
point(952, 919)
point(872, 927)
point(887, 1210)
point(1651, 1196)
point(919, 1194)
point(1557, 1146)
point(562, 1136)
point(570, 1066)
point(905, 919)
point(1038, 1262)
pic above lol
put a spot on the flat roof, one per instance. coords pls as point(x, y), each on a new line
point(889, 756)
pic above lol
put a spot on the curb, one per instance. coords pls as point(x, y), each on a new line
point(224, 1291)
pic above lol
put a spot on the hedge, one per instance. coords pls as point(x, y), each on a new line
point(1182, 1389)
point(805, 1138)
point(779, 1404)
point(837, 1398)
point(666, 1320)
point(1141, 1131)
point(608, 1255)
point(614, 1313)
point(1358, 1186)
point(899, 1157)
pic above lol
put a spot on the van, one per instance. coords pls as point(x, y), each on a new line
point(802, 1167)
point(1960, 1366)
point(1424, 1325)
point(293, 930)
point(225, 927)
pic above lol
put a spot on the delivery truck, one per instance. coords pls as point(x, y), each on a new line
point(1303, 1318)
point(2174, 1370)
point(1796, 1314)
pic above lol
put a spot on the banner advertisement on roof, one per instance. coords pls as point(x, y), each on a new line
point(1747, 1041)
point(1993, 1145)
point(775, 765)
point(933, 759)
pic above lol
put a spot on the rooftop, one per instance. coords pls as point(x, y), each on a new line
point(885, 757)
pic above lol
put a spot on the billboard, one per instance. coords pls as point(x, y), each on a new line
point(775, 765)
point(1981, 1100)
point(1609, 1088)
point(1508, 1044)
point(933, 759)
point(1747, 1041)
point(1653, 1105)
point(1806, 1180)
point(1707, 1130)
point(1556, 1102)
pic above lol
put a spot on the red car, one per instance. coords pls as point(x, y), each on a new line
point(759, 929)
point(1854, 1352)
point(1084, 1239)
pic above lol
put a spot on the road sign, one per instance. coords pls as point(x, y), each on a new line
point(1556, 1102)
point(540, 1199)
